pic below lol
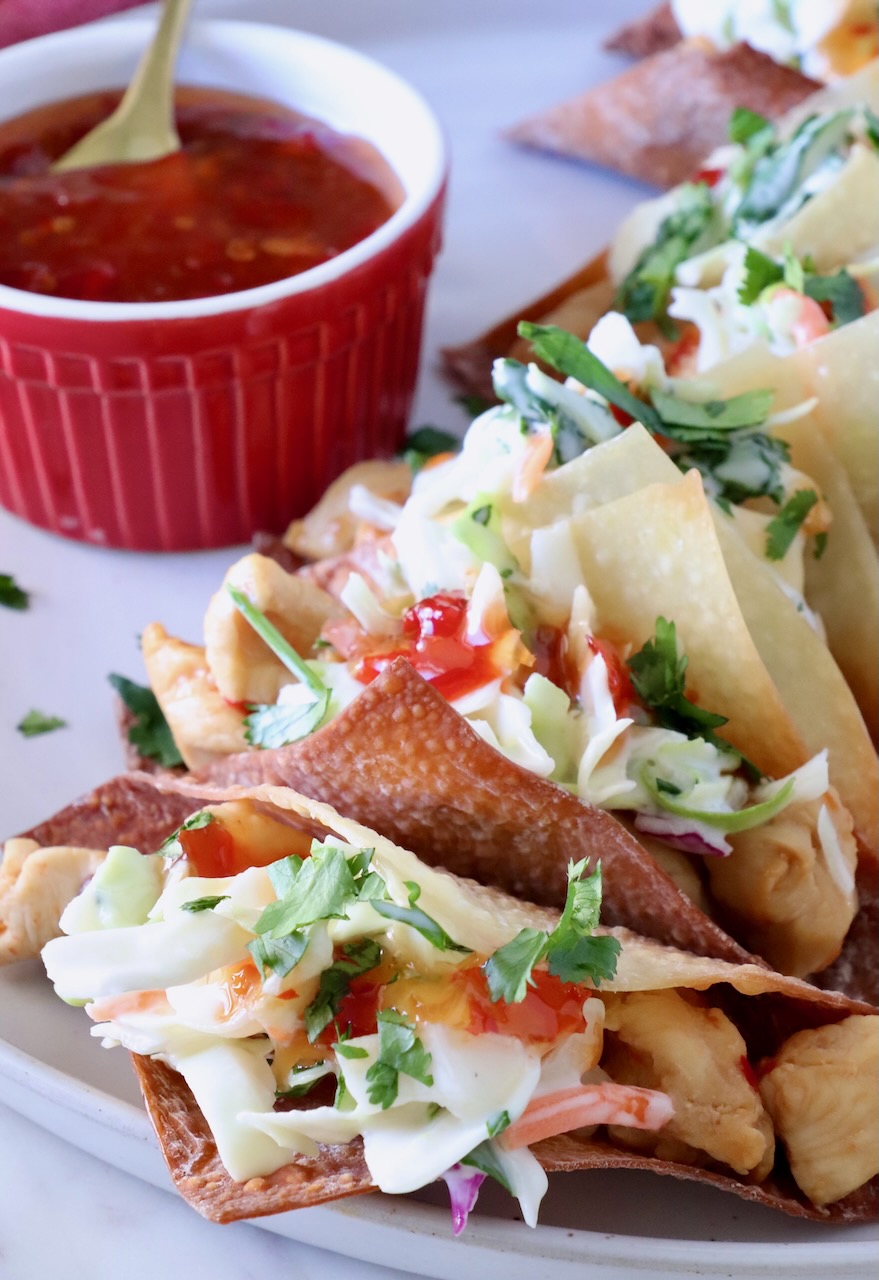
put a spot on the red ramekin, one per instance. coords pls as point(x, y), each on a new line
point(182, 425)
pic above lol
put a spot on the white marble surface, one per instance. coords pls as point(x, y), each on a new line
point(517, 222)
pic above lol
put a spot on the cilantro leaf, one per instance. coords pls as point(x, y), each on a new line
point(783, 528)
point(694, 420)
point(278, 954)
point(37, 722)
point(269, 726)
point(426, 443)
point(841, 291)
point(570, 355)
point(314, 1077)
point(508, 971)
point(760, 271)
point(779, 174)
point(872, 122)
point(745, 124)
point(11, 594)
point(485, 1159)
point(400, 1052)
point(820, 544)
point(171, 847)
point(319, 889)
point(572, 953)
point(203, 904)
point(419, 920)
point(271, 636)
point(357, 958)
point(149, 731)
point(658, 676)
point(693, 226)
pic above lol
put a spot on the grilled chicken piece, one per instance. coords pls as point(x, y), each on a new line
point(662, 1040)
point(821, 1093)
point(791, 885)
point(205, 727)
point(36, 885)
point(243, 667)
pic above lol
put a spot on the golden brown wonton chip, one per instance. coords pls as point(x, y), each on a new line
point(401, 760)
point(651, 33)
point(659, 119)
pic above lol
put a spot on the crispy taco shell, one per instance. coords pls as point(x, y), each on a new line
point(765, 1007)
point(651, 33)
point(618, 124)
point(436, 787)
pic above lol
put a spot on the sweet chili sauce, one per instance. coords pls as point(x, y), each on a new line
point(434, 641)
point(257, 193)
point(551, 1010)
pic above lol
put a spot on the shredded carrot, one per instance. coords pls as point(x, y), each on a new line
point(534, 461)
point(588, 1104)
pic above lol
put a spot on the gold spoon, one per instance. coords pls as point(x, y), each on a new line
point(142, 126)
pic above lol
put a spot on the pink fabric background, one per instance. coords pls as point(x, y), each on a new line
point(23, 19)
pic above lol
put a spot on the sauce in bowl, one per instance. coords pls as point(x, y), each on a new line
point(257, 193)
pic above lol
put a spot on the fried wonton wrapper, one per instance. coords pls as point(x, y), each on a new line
point(813, 690)
point(838, 445)
point(698, 1017)
point(45, 867)
point(650, 33)
point(659, 119)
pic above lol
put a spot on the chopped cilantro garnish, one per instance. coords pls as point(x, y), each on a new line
point(720, 438)
point(419, 920)
point(37, 722)
point(571, 952)
point(171, 847)
point(840, 291)
point(399, 1052)
point(11, 594)
point(149, 730)
point(357, 958)
point(427, 443)
point(278, 954)
point(275, 726)
point(745, 124)
point(692, 227)
point(316, 888)
point(659, 677)
point(871, 120)
point(779, 173)
point(270, 726)
point(820, 544)
point(497, 1123)
point(485, 1159)
point(349, 1050)
point(203, 904)
point(783, 528)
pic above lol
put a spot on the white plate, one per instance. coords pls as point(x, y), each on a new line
point(517, 223)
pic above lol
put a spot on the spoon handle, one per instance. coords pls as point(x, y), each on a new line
point(153, 80)
point(142, 127)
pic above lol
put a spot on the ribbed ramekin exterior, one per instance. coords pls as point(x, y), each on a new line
point(179, 434)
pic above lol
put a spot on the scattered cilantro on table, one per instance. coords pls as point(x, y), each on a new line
point(149, 730)
point(12, 596)
point(37, 722)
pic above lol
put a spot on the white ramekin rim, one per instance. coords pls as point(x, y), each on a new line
point(129, 33)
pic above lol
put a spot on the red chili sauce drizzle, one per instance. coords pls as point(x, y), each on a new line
point(551, 1010)
point(435, 644)
point(257, 193)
